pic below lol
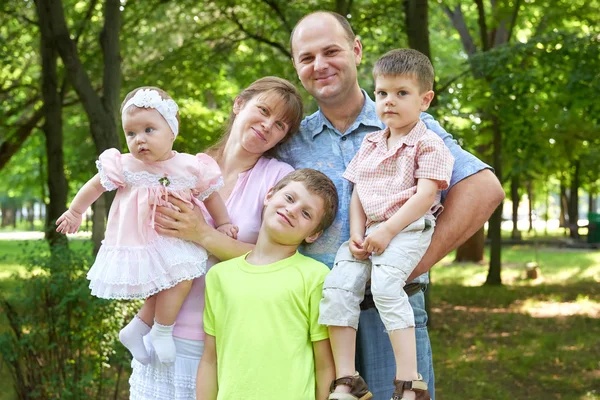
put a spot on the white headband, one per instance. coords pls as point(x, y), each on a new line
point(149, 98)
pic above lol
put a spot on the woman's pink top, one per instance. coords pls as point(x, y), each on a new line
point(245, 206)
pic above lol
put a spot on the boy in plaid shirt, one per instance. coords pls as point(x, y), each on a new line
point(398, 175)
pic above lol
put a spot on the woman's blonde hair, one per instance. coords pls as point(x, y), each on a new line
point(268, 85)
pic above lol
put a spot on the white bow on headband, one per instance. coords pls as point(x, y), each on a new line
point(149, 98)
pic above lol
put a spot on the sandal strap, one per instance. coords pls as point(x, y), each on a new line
point(411, 385)
point(358, 388)
point(417, 385)
point(342, 396)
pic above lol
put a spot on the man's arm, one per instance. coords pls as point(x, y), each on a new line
point(206, 380)
point(324, 368)
point(468, 205)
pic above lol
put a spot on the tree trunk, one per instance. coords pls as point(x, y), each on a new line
point(494, 276)
point(473, 249)
point(416, 19)
point(516, 198)
point(574, 202)
point(101, 110)
point(52, 128)
point(530, 204)
point(98, 222)
point(30, 215)
point(564, 205)
point(547, 210)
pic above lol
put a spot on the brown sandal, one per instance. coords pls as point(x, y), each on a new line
point(358, 388)
point(418, 386)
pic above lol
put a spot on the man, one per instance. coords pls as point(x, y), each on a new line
point(326, 54)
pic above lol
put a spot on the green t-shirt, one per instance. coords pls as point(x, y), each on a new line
point(264, 319)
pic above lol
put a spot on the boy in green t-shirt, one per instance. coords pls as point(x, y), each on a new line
point(263, 339)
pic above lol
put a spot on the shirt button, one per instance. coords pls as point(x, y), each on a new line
point(344, 137)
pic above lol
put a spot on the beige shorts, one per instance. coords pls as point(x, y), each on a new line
point(344, 286)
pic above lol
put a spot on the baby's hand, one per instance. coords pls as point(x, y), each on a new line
point(229, 229)
point(378, 240)
point(356, 248)
point(69, 222)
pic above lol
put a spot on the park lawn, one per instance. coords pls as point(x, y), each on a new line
point(524, 340)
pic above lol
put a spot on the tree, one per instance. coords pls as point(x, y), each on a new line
point(102, 109)
point(53, 128)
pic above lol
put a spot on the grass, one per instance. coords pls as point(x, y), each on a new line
point(528, 339)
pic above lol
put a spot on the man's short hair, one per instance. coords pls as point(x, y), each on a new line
point(406, 62)
point(317, 183)
point(344, 23)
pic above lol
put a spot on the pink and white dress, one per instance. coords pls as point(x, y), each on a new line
point(134, 261)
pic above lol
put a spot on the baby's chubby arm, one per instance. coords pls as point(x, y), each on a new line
point(413, 209)
point(70, 220)
point(218, 211)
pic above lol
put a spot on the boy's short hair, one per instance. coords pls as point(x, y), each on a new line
point(317, 183)
point(406, 62)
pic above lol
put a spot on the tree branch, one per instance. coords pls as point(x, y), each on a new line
point(259, 38)
point(458, 20)
point(17, 15)
point(83, 23)
point(11, 145)
point(275, 7)
point(451, 81)
point(68, 52)
point(483, 31)
point(8, 114)
point(109, 41)
point(513, 19)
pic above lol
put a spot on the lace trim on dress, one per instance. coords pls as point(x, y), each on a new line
point(157, 381)
point(211, 189)
point(146, 179)
point(104, 181)
point(137, 272)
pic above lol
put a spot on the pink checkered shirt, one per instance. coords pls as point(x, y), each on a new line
point(386, 179)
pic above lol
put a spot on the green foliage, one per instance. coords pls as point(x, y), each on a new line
point(62, 342)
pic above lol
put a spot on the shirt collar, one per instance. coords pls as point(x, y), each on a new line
point(367, 117)
point(410, 139)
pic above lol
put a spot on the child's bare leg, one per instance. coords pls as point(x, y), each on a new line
point(405, 353)
point(132, 335)
point(146, 313)
point(343, 347)
point(168, 303)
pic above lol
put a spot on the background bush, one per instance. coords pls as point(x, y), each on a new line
point(62, 342)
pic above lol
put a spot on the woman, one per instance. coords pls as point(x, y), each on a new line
point(263, 116)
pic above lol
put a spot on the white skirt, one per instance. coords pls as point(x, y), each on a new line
point(138, 272)
point(156, 381)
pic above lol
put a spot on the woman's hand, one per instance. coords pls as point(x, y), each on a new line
point(187, 224)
